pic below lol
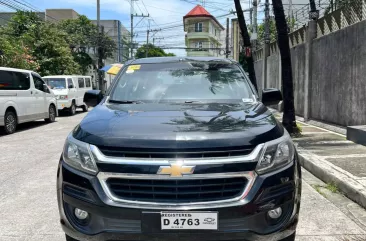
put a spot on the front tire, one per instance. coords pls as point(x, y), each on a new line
point(51, 114)
point(68, 238)
point(10, 122)
point(72, 110)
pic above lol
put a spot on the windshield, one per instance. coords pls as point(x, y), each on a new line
point(182, 82)
point(56, 83)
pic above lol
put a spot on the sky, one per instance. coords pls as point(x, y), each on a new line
point(162, 13)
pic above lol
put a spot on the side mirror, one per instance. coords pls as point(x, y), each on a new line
point(46, 89)
point(70, 86)
point(93, 97)
point(271, 97)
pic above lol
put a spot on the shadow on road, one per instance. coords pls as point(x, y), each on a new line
point(34, 124)
point(25, 126)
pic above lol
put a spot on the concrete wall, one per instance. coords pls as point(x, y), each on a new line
point(338, 93)
point(258, 66)
point(298, 71)
point(337, 84)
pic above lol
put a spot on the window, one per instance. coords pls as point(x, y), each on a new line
point(198, 45)
point(217, 82)
point(56, 83)
point(198, 27)
point(81, 82)
point(215, 32)
point(87, 82)
point(69, 82)
point(10, 80)
point(38, 83)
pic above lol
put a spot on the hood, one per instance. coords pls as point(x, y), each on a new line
point(60, 91)
point(178, 126)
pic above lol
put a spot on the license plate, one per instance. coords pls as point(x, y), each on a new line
point(189, 220)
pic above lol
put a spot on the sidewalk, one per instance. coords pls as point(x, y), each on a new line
point(330, 157)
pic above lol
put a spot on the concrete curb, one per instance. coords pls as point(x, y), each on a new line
point(328, 173)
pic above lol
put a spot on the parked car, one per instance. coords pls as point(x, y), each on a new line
point(70, 90)
point(24, 97)
point(179, 149)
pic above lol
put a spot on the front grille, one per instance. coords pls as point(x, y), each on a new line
point(177, 191)
point(175, 153)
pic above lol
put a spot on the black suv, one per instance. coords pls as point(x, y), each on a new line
point(179, 149)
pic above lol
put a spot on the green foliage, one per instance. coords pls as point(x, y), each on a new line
point(82, 34)
point(80, 31)
point(152, 50)
point(14, 55)
point(272, 30)
point(27, 42)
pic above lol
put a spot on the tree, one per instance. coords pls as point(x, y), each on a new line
point(14, 55)
point(272, 30)
point(246, 39)
point(41, 43)
point(82, 34)
point(288, 119)
point(153, 51)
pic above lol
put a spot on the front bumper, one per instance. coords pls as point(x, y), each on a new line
point(2, 121)
point(63, 104)
point(241, 222)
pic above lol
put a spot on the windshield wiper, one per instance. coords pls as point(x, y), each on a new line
point(126, 101)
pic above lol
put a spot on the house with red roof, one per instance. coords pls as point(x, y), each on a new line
point(203, 33)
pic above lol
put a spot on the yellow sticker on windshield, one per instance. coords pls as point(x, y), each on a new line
point(134, 67)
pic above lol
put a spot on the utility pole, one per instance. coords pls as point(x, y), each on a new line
point(267, 41)
point(254, 36)
point(227, 38)
point(147, 39)
point(132, 16)
point(100, 52)
point(132, 12)
point(147, 43)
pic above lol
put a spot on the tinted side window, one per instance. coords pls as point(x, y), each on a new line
point(69, 82)
point(38, 82)
point(81, 82)
point(87, 82)
point(10, 80)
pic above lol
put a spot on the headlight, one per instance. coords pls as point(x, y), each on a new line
point(63, 97)
point(57, 97)
point(78, 155)
point(276, 154)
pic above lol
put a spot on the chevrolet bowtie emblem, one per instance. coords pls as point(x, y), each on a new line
point(175, 170)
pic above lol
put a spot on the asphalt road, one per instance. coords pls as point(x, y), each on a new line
point(28, 205)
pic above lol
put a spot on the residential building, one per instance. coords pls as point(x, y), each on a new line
point(203, 33)
point(55, 15)
point(236, 39)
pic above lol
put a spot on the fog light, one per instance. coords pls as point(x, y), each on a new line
point(81, 214)
point(275, 213)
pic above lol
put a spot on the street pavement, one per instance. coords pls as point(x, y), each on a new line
point(28, 205)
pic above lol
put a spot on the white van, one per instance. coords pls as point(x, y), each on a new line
point(69, 90)
point(24, 97)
